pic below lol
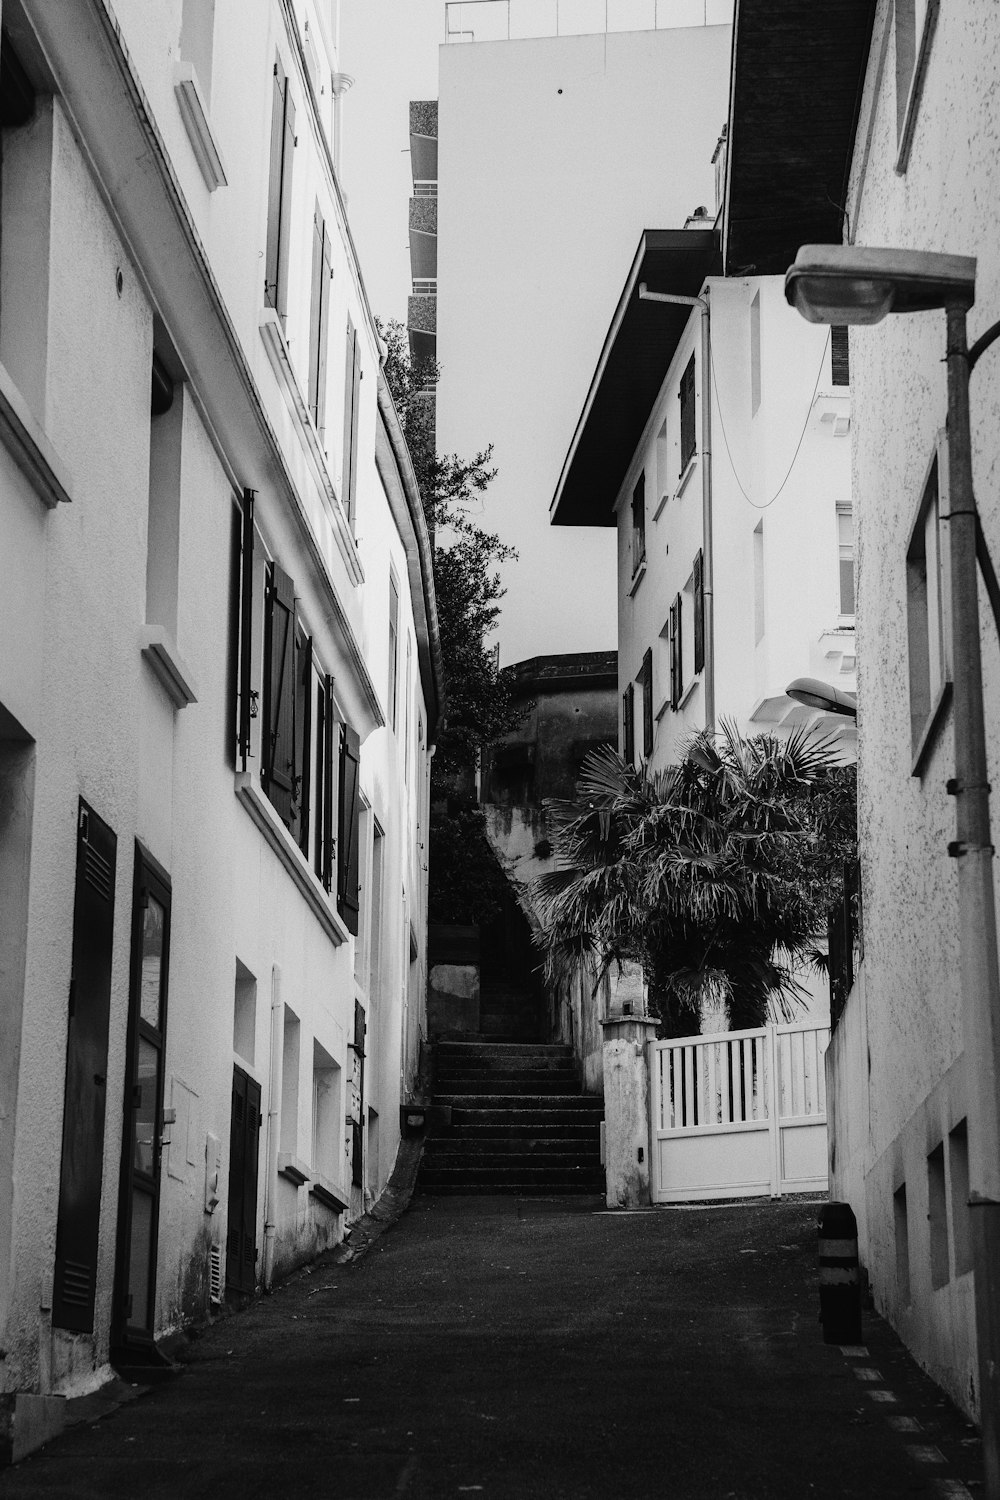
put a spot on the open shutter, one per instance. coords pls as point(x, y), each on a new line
point(250, 1158)
point(330, 751)
point(698, 572)
point(246, 625)
point(319, 314)
point(686, 398)
point(628, 725)
point(647, 704)
point(303, 736)
point(352, 382)
point(348, 822)
point(82, 1165)
point(285, 217)
point(244, 1140)
point(278, 757)
point(274, 187)
point(674, 673)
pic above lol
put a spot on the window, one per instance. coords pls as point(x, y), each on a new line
point(927, 605)
point(840, 355)
point(279, 198)
point(326, 1085)
point(913, 31)
point(937, 1217)
point(393, 647)
point(288, 1134)
point(352, 384)
point(245, 1014)
point(755, 354)
point(686, 398)
point(628, 725)
point(25, 192)
point(662, 460)
point(197, 41)
point(902, 1236)
point(163, 521)
point(845, 543)
point(319, 317)
point(676, 654)
point(958, 1167)
point(286, 730)
point(348, 825)
point(407, 693)
point(639, 523)
point(758, 583)
point(698, 581)
point(645, 679)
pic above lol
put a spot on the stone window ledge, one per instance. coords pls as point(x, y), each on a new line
point(30, 448)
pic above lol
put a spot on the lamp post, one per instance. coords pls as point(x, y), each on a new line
point(815, 693)
point(849, 284)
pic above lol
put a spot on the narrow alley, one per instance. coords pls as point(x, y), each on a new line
point(534, 1347)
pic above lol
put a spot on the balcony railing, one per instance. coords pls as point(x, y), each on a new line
point(425, 286)
point(425, 189)
point(519, 20)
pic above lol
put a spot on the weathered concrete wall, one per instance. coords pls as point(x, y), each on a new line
point(626, 1111)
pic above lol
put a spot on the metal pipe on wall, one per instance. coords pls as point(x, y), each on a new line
point(273, 1127)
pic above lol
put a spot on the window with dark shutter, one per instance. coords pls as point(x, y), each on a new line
point(279, 197)
point(698, 574)
point(628, 725)
point(348, 823)
point(646, 678)
point(278, 740)
point(840, 355)
point(639, 523)
point(303, 738)
point(676, 654)
point(393, 648)
point(244, 1142)
point(686, 398)
point(319, 317)
point(246, 695)
point(352, 383)
point(327, 760)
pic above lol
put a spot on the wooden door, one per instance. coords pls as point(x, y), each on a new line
point(244, 1138)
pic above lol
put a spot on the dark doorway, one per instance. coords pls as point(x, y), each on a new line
point(139, 1183)
point(81, 1169)
point(241, 1239)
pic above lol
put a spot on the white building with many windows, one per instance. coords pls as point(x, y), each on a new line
point(218, 689)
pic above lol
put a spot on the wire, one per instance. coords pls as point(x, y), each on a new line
point(798, 445)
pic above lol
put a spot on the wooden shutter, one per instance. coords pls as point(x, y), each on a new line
point(698, 573)
point(330, 747)
point(647, 704)
point(244, 1139)
point(319, 309)
point(303, 737)
point(278, 757)
point(686, 397)
point(233, 726)
point(278, 94)
point(246, 626)
point(674, 672)
point(352, 382)
point(628, 725)
point(348, 824)
point(82, 1164)
point(639, 523)
point(840, 355)
point(285, 218)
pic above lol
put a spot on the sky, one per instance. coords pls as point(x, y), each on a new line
point(595, 202)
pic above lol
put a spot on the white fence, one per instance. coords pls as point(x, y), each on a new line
point(519, 20)
point(739, 1114)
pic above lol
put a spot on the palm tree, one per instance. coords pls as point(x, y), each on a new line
point(713, 874)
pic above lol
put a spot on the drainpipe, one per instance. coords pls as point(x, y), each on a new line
point(273, 1123)
point(707, 569)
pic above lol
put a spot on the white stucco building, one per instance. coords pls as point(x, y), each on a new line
point(218, 688)
point(914, 165)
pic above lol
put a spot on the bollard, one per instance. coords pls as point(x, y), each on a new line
point(839, 1278)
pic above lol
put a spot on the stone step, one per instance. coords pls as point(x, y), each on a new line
point(587, 1133)
point(576, 1160)
point(558, 1114)
point(514, 1190)
point(493, 1047)
point(520, 1178)
point(506, 1084)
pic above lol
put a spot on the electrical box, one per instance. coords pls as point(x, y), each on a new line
point(213, 1172)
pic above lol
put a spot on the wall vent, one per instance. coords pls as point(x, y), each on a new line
point(215, 1274)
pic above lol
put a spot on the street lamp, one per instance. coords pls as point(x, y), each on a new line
point(850, 284)
point(815, 693)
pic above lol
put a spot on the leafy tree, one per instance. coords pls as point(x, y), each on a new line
point(714, 874)
point(466, 557)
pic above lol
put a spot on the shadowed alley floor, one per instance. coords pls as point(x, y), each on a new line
point(520, 1348)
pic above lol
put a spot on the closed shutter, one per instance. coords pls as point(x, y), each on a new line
point(352, 383)
point(274, 187)
point(348, 824)
point(357, 1142)
point(319, 318)
point(686, 398)
point(677, 651)
point(303, 739)
point(246, 626)
point(232, 728)
point(285, 224)
point(628, 725)
point(647, 704)
point(244, 1140)
point(698, 572)
point(330, 762)
point(840, 355)
point(82, 1163)
point(278, 740)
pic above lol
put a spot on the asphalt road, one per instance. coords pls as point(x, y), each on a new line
point(513, 1348)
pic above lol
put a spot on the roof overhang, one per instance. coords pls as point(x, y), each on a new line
point(795, 90)
point(639, 346)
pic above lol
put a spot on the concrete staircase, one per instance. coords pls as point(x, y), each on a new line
point(512, 1119)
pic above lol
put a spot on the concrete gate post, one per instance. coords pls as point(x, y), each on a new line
point(626, 1109)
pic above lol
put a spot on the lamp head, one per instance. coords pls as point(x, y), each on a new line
point(856, 284)
point(815, 693)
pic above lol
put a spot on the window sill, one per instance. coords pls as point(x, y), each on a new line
point(30, 448)
point(686, 473)
point(931, 731)
point(160, 651)
point(195, 117)
point(688, 692)
point(657, 513)
point(330, 1194)
point(290, 855)
point(916, 87)
point(296, 1171)
point(637, 578)
point(281, 363)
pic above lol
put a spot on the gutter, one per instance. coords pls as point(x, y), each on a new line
point(395, 467)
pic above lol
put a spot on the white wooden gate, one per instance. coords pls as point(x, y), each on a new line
point(739, 1114)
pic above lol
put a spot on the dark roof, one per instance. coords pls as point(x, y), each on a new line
point(574, 670)
point(798, 71)
point(636, 356)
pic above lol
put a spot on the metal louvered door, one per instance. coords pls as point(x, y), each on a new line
point(81, 1170)
point(241, 1237)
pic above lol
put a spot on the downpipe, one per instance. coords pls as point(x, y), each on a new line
point(273, 1126)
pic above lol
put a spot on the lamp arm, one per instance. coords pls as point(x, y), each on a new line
point(983, 343)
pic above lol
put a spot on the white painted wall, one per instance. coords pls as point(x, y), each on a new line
point(944, 201)
point(96, 722)
point(555, 154)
